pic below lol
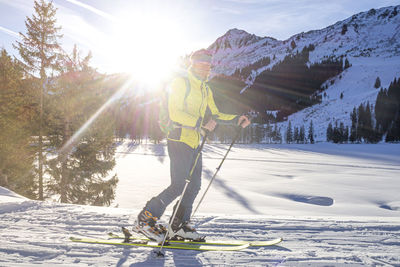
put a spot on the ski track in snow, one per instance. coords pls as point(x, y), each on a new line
point(333, 206)
point(38, 234)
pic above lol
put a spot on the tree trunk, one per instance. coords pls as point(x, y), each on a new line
point(64, 161)
point(41, 137)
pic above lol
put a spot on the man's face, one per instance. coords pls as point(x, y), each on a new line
point(202, 68)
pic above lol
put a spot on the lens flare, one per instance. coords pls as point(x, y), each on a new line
point(68, 146)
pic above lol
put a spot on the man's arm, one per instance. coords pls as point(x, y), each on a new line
point(219, 116)
point(223, 118)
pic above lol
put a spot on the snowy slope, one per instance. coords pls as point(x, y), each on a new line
point(371, 44)
point(356, 91)
point(335, 205)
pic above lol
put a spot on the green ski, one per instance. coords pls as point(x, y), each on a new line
point(271, 242)
point(147, 243)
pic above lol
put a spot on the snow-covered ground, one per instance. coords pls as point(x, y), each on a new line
point(334, 205)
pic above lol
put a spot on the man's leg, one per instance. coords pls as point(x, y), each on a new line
point(180, 164)
point(180, 225)
point(191, 191)
point(181, 161)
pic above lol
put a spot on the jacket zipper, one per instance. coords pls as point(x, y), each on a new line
point(201, 106)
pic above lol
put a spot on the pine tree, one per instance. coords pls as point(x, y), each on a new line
point(296, 135)
point(259, 134)
point(277, 136)
point(80, 171)
point(311, 133)
point(392, 108)
point(293, 44)
point(16, 154)
point(344, 29)
point(346, 64)
point(377, 83)
point(336, 136)
point(369, 133)
point(343, 137)
point(289, 133)
point(40, 51)
point(361, 123)
point(393, 134)
point(392, 103)
point(353, 131)
point(329, 132)
point(341, 63)
point(382, 115)
point(302, 134)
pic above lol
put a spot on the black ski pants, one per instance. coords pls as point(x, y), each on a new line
point(182, 158)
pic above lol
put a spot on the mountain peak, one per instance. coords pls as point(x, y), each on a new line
point(236, 31)
point(234, 38)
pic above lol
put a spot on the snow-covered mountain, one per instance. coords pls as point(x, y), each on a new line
point(369, 40)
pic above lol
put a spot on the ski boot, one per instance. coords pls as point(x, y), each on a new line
point(184, 231)
point(146, 225)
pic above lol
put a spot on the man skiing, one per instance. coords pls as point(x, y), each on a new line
point(186, 109)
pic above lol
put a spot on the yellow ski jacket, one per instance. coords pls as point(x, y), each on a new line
point(188, 114)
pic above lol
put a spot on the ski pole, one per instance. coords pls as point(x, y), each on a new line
point(159, 253)
point(219, 167)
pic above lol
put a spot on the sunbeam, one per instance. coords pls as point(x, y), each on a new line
point(68, 146)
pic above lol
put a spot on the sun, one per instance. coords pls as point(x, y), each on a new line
point(147, 46)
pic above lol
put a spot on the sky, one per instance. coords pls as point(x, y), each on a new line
point(132, 36)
